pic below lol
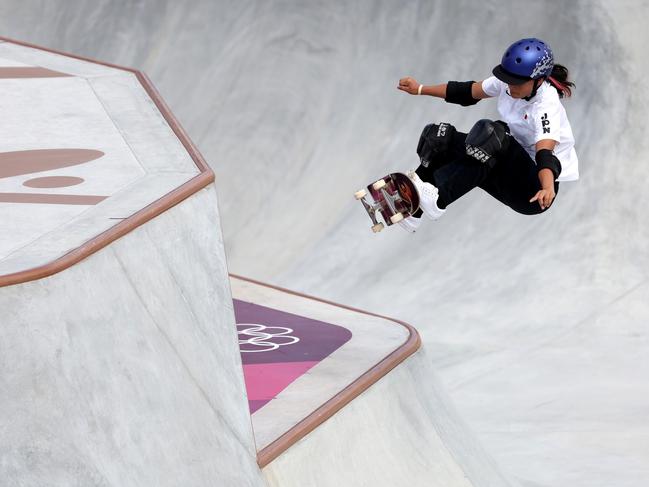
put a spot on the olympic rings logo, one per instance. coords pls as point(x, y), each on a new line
point(255, 338)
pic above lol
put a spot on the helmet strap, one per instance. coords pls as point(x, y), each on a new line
point(537, 84)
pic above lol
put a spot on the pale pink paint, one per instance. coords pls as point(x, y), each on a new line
point(265, 381)
point(51, 199)
point(21, 162)
point(13, 72)
point(53, 182)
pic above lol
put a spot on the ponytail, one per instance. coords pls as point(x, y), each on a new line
point(559, 79)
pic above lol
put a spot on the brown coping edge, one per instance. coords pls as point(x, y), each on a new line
point(266, 455)
point(147, 213)
point(320, 415)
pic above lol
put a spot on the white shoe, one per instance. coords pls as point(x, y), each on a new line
point(428, 195)
point(410, 224)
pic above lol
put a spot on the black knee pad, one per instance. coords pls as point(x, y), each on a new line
point(487, 140)
point(434, 142)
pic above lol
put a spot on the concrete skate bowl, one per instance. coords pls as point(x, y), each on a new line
point(120, 359)
point(536, 324)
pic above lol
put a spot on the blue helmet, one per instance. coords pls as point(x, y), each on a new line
point(525, 60)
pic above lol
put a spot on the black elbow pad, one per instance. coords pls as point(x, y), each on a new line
point(459, 92)
point(545, 159)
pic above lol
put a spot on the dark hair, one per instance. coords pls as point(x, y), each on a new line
point(559, 79)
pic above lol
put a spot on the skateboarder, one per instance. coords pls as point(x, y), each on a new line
point(519, 160)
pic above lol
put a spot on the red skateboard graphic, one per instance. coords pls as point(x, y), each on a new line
point(394, 196)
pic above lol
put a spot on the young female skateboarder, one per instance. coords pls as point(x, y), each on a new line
point(519, 160)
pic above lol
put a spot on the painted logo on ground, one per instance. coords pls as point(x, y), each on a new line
point(255, 338)
point(278, 347)
point(24, 162)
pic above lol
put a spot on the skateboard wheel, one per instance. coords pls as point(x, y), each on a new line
point(379, 184)
point(359, 195)
point(377, 228)
point(396, 218)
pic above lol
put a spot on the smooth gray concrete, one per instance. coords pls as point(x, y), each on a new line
point(124, 369)
point(401, 431)
point(537, 324)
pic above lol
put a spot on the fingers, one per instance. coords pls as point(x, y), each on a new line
point(407, 84)
point(548, 200)
point(544, 198)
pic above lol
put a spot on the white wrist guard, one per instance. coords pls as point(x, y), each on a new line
point(419, 90)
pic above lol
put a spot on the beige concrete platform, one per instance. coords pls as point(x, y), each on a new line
point(115, 308)
point(345, 352)
point(85, 146)
point(342, 396)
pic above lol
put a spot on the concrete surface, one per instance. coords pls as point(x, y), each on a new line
point(137, 158)
point(371, 339)
point(120, 368)
point(537, 325)
point(110, 368)
point(401, 431)
point(124, 368)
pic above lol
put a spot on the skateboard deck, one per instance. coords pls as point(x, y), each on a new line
point(394, 197)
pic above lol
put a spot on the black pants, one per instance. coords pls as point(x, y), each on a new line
point(513, 180)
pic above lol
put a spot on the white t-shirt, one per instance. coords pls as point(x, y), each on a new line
point(543, 117)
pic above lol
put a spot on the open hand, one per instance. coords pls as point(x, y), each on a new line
point(409, 85)
point(545, 197)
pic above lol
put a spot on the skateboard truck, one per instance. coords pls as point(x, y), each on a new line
point(394, 196)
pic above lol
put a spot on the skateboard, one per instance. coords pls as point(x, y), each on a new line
point(394, 196)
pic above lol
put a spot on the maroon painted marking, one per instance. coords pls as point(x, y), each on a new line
point(53, 182)
point(51, 199)
point(21, 72)
point(17, 163)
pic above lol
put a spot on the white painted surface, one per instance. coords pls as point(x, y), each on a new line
point(58, 230)
point(11, 63)
point(124, 369)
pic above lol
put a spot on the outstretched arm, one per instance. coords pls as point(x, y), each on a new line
point(412, 86)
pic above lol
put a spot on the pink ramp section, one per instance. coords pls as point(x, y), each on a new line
point(265, 381)
point(279, 347)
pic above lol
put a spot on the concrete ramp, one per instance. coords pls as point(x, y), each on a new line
point(119, 362)
point(351, 399)
point(536, 326)
point(120, 359)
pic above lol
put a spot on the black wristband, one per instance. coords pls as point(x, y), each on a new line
point(545, 159)
point(459, 92)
